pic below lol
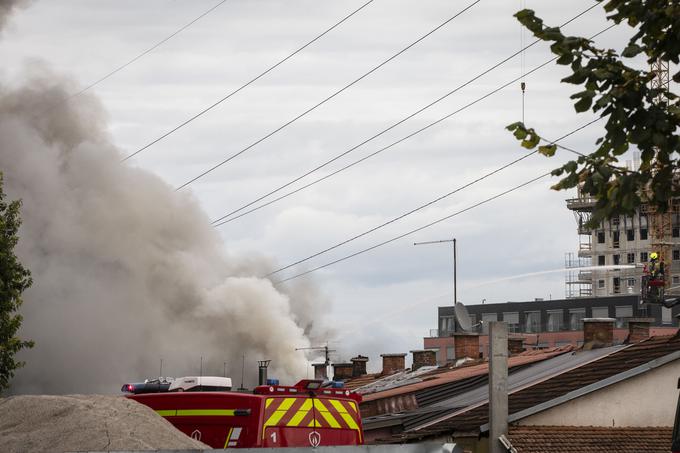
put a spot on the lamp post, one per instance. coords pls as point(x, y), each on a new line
point(455, 296)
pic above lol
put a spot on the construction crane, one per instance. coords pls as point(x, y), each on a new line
point(660, 223)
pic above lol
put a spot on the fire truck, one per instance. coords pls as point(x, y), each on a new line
point(307, 414)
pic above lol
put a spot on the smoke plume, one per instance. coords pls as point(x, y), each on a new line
point(126, 271)
point(7, 7)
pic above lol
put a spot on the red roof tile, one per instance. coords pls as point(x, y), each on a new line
point(588, 439)
point(447, 375)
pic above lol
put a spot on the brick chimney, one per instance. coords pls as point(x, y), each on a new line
point(598, 332)
point(423, 357)
point(516, 345)
point(320, 371)
point(393, 363)
point(359, 365)
point(342, 371)
point(638, 329)
point(466, 345)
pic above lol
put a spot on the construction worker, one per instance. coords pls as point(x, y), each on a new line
point(655, 269)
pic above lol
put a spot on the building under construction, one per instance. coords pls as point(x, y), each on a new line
point(623, 241)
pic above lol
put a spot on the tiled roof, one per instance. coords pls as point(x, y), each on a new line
point(443, 375)
point(609, 365)
point(588, 439)
point(357, 382)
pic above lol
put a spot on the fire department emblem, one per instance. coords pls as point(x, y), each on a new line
point(196, 435)
point(314, 439)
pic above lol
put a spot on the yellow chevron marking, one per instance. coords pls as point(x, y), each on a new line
point(268, 402)
point(314, 423)
point(226, 442)
point(278, 413)
point(301, 413)
point(326, 414)
point(353, 406)
point(338, 406)
point(167, 413)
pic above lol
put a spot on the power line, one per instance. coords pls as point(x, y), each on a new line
point(221, 220)
point(214, 167)
point(150, 49)
point(429, 203)
point(262, 74)
point(414, 230)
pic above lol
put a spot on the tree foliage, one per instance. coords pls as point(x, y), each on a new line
point(14, 279)
point(637, 115)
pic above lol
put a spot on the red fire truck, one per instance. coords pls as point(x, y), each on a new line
point(306, 414)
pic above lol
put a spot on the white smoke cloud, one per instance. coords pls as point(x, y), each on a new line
point(127, 271)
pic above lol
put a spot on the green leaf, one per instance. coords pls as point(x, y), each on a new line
point(631, 51)
point(547, 150)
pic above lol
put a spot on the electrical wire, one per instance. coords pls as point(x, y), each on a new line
point(355, 81)
point(251, 81)
point(230, 216)
point(360, 252)
point(149, 50)
point(429, 203)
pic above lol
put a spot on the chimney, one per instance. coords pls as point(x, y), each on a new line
point(393, 363)
point(320, 371)
point(466, 344)
point(423, 357)
point(359, 365)
point(638, 329)
point(598, 332)
point(516, 345)
point(262, 375)
point(342, 371)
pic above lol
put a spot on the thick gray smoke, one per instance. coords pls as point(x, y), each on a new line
point(127, 271)
point(7, 7)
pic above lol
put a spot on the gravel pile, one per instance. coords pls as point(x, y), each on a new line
point(42, 423)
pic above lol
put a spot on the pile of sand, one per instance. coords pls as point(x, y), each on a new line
point(39, 423)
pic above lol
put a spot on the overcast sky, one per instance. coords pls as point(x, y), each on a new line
point(385, 300)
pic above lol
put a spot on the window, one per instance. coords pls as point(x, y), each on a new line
point(600, 284)
point(630, 234)
point(512, 319)
point(576, 316)
point(631, 283)
point(643, 257)
point(623, 313)
point(616, 283)
point(486, 319)
point(617, 259)
point(676, 255)
point(617, 237)
point(676, 232)
point(447, 325)
point(600, 237)
point(666, 315)
point(616, 220)
point(450, 353)
point(555, 320)
point(630, 258)
point(532, 321)
point(643, 234)
point(600, 260)
point(676, 279)
point(600, 312)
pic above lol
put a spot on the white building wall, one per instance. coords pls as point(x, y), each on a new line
point(648, 399)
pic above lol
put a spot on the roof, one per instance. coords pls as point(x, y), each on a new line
point(620, 360)
point(445, 375)
point(588, 439)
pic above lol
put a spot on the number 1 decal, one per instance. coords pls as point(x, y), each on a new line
point(273, 436)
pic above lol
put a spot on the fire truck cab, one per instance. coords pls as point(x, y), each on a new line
point(304, 415)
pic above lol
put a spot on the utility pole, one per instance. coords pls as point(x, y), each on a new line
point(498, 385)
point(455, 296)
point(327, 354)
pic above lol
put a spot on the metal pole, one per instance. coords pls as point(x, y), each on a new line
point(498, 385)
point(455, 296)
